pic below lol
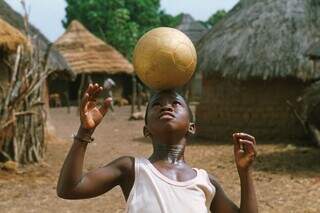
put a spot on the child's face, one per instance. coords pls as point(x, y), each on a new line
point(167, 113)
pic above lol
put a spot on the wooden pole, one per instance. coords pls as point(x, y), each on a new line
point(139, 98)
point(134, 93)
point(82, 82)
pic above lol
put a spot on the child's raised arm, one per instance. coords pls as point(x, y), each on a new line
point(244, 152)
point(72, 183)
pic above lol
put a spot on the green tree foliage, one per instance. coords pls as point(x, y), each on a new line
point(215, 18)
point(118, 22)
point(169, 20)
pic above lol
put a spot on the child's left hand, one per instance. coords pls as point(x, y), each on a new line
point(244, 151)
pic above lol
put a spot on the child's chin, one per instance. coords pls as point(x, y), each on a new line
point(167, 123)
point(169, 127)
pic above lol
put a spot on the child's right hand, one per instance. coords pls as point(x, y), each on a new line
point(90, 114)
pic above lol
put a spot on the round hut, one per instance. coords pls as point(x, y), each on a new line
point(93, 60)
point(54, 61)
point(192, 28)
point(195, 31)
point(28, 126)
point(255, 69)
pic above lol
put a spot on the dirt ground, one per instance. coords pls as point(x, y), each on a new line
point(287, 177)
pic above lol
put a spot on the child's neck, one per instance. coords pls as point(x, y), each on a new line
point(171, 153)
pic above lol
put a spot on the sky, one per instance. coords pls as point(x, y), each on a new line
point(46, 15)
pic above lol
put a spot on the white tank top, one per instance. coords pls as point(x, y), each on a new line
point(153, 192)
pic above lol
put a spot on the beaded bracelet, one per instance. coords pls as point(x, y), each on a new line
point(84, 139)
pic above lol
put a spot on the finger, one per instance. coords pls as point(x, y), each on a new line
point(245, 136)
point(106, 104)
point(93, 89)
point(248, 146)
point(84, 103)
point(90, 89)
point(236, 143)
point(90, 105)
point(91, 93)
point(97, 89)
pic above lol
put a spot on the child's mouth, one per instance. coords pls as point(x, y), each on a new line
point(166, 115)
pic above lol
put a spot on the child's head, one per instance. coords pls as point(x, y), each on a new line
point(168, 114)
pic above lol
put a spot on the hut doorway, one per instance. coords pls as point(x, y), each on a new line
point(122, 89)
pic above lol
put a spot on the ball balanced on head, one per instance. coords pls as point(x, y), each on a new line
point(164, 58)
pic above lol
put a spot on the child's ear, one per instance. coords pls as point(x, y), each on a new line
point(146, 132)
point(192, 129)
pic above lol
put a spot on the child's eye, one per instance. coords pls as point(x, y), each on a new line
point(155, 104)
point(176, 103)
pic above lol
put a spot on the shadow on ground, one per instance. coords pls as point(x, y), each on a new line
point(299, 160)
point(304, 161)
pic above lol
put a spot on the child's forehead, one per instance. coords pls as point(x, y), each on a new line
point(171, 95)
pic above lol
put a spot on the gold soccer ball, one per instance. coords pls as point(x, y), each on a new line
point(164, 58)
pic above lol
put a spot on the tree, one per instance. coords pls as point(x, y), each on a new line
point(215, 18)
point(118, 22)
point(169, 20)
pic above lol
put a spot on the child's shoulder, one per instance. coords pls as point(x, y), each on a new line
point(124, 163)
point(213, 180)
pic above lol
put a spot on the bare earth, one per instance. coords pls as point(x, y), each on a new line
point(287, 177)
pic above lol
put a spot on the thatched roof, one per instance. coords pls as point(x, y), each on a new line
point(10, 37)
point(193, 29)
point(55, 61)
point(88, 54)
point(263, 39)
point(314, 51)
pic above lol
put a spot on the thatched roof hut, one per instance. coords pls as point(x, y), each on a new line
point(255, 67)
point(264, 39)
point(55, 60)
point(10, 38)
point(193, 29)
point(93, 60)
point(314, 51)
point(88, 54)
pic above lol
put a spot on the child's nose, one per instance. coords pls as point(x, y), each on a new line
point(167, 107)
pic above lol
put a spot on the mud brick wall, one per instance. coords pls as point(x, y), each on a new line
point(254, 106)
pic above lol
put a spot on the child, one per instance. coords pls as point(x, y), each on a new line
point(164, 182)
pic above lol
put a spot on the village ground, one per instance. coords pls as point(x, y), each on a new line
point(287, 177)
